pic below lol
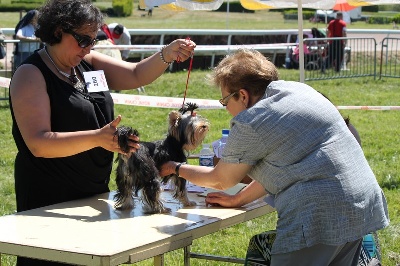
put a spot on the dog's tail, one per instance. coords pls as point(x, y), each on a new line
point(122, 135)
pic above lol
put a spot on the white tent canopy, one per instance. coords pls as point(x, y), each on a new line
point(184, 5)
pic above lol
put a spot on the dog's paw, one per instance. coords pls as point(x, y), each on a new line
point(186, 202)
point(123, 202)
point(127, 205)
point(149, 210)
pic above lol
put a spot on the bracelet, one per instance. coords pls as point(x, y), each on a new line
point(162, 56)
point(177, 168)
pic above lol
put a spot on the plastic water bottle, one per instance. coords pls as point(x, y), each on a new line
point(216, 144)
point(222, 141)
point(206, 156)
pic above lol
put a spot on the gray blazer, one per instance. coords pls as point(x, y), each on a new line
point(303, 153)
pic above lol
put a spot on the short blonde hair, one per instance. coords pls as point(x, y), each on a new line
point(245, 69)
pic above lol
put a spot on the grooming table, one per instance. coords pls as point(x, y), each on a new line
point(91, 232)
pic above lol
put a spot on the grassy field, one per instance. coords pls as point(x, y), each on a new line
point(378, 129)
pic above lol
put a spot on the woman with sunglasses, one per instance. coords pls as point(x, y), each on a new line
point(62, 110)
point(297, 148)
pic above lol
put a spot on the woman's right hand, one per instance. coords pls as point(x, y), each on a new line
point(167, 168)
point(221, 199)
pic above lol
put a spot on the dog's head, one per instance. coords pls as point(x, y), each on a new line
point(188, 127)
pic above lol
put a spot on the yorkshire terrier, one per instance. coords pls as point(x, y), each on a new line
point(139, 171)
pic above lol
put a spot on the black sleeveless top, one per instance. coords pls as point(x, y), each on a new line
point(45, 181)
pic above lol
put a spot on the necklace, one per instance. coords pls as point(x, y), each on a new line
point(76, 82)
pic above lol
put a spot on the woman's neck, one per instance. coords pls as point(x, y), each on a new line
point(56, 60)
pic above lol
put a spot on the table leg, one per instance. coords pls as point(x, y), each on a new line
point(158, 260)
point(186, 256)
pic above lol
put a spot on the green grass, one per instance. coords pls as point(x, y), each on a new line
point(164, 19)
point(378, 130)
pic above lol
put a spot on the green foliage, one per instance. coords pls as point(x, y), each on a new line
point(292, 14)
point(379, 20)
point(370, 8)
point(393, 8)
point(18, 7)
point(396, 18)
point(122, 8)
point(38, 2)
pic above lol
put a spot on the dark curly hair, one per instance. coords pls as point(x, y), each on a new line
point(66, 15)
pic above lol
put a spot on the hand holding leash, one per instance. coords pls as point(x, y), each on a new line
point(179, 50)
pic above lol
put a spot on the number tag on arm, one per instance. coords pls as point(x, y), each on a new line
point(95, 81)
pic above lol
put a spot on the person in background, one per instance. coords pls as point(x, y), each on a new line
point(121, 36)
point(63, 120)
point(336, 28)
point(295, 145)
point(104, 33)
point(296, 55)
point(104, 37)
point(25, 31)
point(3, 53)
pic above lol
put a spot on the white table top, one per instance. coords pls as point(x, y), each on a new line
point(91, 232)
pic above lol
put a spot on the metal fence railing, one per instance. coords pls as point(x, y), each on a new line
point(390, 58)
point(16, 52)
point(5, 66)
point(356, 58)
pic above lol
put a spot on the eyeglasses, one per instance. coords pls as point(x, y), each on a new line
point(224, 101)
point(83, 40)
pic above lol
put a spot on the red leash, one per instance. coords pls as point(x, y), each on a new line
point(178, 60)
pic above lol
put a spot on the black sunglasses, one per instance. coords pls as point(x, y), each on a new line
point(83, 40)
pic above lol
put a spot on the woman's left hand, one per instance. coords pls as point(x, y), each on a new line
point(179, 50)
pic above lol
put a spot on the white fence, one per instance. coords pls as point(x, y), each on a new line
point(272, 50)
